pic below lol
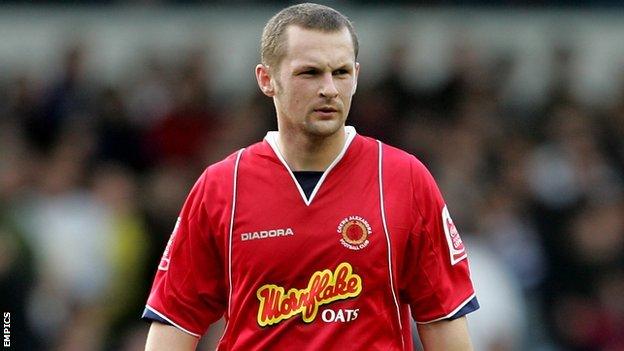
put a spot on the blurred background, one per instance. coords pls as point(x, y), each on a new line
point(109, 111)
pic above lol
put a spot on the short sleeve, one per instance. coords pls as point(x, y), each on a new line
point(189, 290)
point(435, 277)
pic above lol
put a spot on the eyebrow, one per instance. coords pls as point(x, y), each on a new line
point(308, 67)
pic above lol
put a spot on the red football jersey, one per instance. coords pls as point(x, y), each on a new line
point(338, 270)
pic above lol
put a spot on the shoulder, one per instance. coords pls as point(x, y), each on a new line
point(220, 169)
point(408, 163)
point(219, 176)
point(225, 168)
point(217, 179)
point(405, 173)
point(396, 158)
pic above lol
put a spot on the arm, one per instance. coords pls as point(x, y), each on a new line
point(445, 335)
point(165, 337)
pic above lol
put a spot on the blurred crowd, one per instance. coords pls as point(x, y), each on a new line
point(93, 174)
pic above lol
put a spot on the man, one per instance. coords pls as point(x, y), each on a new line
point(315, 238)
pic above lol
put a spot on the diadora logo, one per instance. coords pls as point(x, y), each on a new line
point(263, 234)
point(164, 261)
point(457, 250)
point(354, 232)
point(323, 288)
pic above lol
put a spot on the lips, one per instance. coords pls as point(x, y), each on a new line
point(326, 109)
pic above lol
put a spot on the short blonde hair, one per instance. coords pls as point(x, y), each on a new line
point(307, 16)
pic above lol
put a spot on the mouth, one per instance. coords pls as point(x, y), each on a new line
point(326, 110)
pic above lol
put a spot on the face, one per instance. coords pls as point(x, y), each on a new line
point(314, 83)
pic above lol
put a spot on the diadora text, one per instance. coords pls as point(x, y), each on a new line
point(263, 234)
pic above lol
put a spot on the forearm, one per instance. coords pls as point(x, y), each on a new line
point(163, 337)
point(445, 335)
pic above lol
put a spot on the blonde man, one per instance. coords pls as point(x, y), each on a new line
point(316, 238)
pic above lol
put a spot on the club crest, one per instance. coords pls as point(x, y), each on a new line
point(354, 233)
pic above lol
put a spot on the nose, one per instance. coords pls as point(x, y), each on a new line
point(328, 88)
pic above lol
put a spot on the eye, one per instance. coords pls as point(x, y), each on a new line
point(309, 72)
point(340, 72)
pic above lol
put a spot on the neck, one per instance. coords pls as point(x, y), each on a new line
point(309, 152)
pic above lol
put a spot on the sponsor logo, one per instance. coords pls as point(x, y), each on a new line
point(339, 316)
point(263, 234)
point(323, 288)
point(164, 261)
point(456, 247)
point(354, 232)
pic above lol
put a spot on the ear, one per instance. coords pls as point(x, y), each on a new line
point(355, 77)
point(263, 76)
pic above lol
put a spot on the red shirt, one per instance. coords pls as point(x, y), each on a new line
point(340, 270)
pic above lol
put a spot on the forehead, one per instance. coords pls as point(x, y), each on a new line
point(306, 46)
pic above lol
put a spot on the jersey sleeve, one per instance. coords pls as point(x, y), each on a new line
point(188, 290)
point(436, 278)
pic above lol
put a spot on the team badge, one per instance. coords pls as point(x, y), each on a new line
point(457, 250)
point(355, 232)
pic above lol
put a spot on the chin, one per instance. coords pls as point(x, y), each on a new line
point(324, 128)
